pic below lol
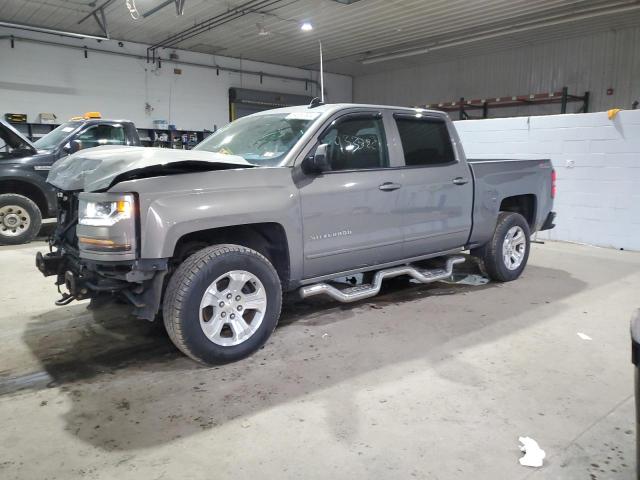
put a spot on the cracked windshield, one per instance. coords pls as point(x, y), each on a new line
point(263, 140)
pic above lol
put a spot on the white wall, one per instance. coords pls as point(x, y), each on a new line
point(38, 78)
point(598, 165)
point(594, 63)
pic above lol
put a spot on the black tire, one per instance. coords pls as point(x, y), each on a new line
point(491, 254)
point(20, 208)
point(186, 288)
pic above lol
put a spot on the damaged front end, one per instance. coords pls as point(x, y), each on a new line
point(93, 253)
point(95, 250)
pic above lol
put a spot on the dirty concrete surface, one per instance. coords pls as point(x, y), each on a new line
point(426, 382)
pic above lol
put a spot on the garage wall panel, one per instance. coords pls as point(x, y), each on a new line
point(590, 63)
point(38, 78)
point(598, 166)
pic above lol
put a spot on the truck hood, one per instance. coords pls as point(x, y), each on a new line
point(15, 139)
point(100, 168)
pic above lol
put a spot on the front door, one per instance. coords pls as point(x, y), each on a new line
point(351, 214)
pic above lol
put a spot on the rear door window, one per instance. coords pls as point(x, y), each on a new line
point(425, 141)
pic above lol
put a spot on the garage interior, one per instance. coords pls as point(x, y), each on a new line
point(426, 381)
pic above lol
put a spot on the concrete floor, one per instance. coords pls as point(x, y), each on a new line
point(426, 382)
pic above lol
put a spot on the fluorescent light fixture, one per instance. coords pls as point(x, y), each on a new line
point(394, 56)
point(50, 31)
point(306, 27)
point(495, 33)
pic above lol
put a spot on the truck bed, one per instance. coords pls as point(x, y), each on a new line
point(498, 179)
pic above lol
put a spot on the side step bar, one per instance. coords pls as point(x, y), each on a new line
point(353, 294)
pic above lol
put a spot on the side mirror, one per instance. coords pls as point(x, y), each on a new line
point(72, 147)
point(318, 162)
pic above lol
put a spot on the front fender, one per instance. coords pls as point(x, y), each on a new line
point(237, 197)
point(27, 175)
point(169, 219)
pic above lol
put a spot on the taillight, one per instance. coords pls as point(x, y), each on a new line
point(553, 183)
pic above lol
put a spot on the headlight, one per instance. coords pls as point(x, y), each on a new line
point(107, 224)
point(105, 213)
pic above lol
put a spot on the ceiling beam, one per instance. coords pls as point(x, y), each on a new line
point(100, 17)
point(178, 3)
point(251, 6)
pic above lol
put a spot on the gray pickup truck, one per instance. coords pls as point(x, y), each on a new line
point(285, 200)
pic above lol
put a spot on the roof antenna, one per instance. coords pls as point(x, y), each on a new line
point(319, 101)
point(321, 74)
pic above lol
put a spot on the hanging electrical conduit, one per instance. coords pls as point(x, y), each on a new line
point(251, 6)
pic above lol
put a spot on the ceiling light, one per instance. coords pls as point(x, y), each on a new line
point(306, 27)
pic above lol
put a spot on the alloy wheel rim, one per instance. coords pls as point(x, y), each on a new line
point(514, 248)
point(232, 308)
point(14, 220)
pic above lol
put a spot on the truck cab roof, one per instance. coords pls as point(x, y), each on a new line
point(93, 121)
point(331, 108)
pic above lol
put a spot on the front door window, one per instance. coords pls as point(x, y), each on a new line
point(356, 143)
point(99, 135)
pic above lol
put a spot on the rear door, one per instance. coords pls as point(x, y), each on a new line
point(437, 191)
point(351, 215)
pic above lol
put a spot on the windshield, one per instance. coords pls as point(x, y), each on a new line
point(262, 140)
point(55, 137)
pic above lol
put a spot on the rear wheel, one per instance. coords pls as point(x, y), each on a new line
point(222, 304)
point(506, 255)
point(20, 219)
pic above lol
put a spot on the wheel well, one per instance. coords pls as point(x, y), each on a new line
point(525, 205)
point(269, 239)
point(28, 190)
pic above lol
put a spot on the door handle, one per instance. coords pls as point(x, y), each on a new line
point(389, 186)
point(460, 181)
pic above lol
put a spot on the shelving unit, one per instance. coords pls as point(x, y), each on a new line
point(150, 137)
point(462, 105)
point(176, 139)
point(33, 131)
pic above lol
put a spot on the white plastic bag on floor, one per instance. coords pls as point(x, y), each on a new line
point(533, 454)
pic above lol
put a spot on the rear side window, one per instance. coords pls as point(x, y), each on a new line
point(425, 141)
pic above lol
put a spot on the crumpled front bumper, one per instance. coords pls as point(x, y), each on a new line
point(140, 282)
point(49, 264)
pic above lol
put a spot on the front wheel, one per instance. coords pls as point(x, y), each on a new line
point(222, 304)
point(20, 219)
point(506, 255)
